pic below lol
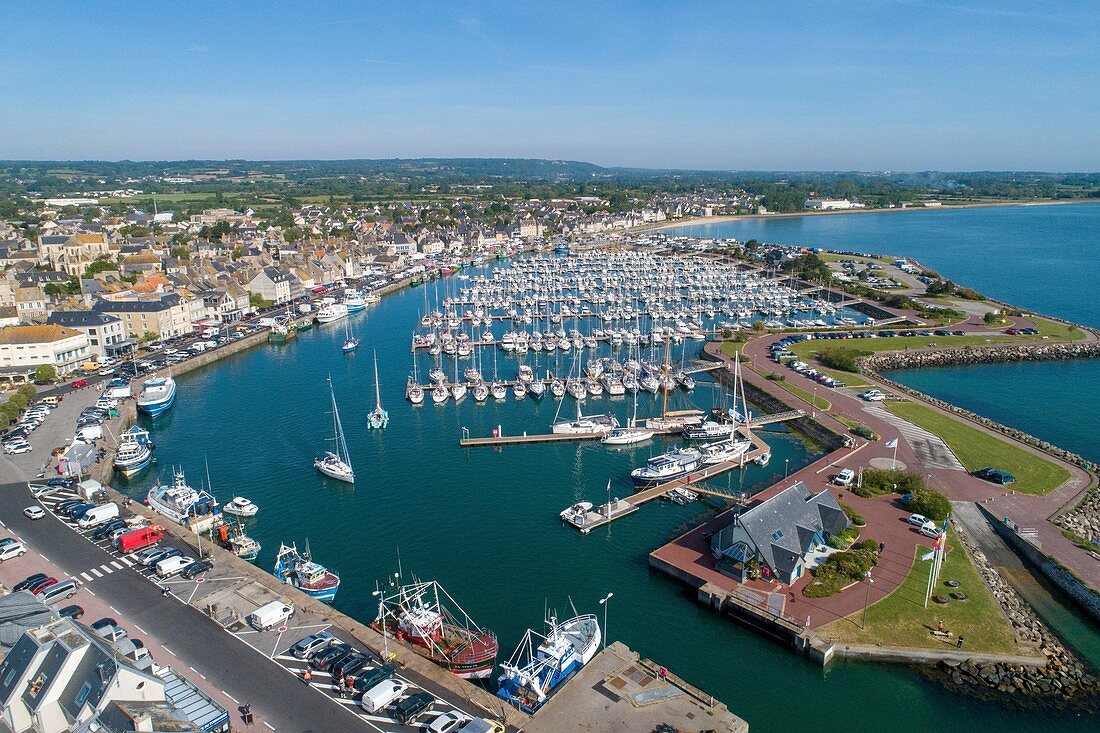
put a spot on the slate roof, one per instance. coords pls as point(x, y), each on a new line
point(80, 319)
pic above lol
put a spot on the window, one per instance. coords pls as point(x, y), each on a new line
point(777, 535)
point(9, 678)
point(82, 695)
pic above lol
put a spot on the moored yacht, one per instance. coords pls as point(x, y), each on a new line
point(241, 507)
point(724, 450)
point(330, 312)
point(666, 467)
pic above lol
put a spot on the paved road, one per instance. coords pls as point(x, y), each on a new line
point(207, 649)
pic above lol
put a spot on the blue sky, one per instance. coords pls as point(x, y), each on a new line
point(899, 85)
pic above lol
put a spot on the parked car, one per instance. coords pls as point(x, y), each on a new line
point(196, 568)
point(27, 582)
point(448, 722)
point(312, 644)
point(845, 477)
point(106, 621)
point(995, 476)
point(172, 566)
point(328, 655)
point(12, 549)
point(104, 530)
point(61, 482)
point(15, 447)
point(57, 591)
point(412, 706)
point(34, 512)
point(872, 395)
point(74, 612)
point(918, 519)
point(366, 680)
point(42, 585)
point(111, 632)
point(931, 529)
point(78, 383)
point(349, 665)
point(149, 558)
point(380, 696)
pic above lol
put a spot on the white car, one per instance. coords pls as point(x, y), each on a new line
point(17, 446)
point(918, 520)
point(930, 529)
point(12, 549)
point(872, 395)
point(449, 722)
point(34, 512)
point(845, 477)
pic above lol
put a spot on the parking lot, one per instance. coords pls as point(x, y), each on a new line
point(228, 598)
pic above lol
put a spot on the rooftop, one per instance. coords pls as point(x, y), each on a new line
point(35, 334)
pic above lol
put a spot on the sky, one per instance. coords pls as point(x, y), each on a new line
point(879, 85)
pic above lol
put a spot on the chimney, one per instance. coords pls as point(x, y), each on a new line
point(143, 723)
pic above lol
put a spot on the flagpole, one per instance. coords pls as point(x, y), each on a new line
point(894, 460)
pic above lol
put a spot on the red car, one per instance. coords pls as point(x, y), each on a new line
point(42, 585)
point(77, 384)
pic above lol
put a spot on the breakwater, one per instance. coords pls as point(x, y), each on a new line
point(1064, 680)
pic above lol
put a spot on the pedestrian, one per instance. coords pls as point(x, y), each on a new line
point(959, 643)
point(166, 591)
point(939, 626)
point(881, 547)
point(307, 676)
point(246, 713)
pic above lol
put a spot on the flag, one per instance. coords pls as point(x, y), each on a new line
point(892, 443)
point(928, 555)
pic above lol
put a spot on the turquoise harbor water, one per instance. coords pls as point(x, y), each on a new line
point(485, 522)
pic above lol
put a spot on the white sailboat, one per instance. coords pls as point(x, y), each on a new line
point(336, 465)
point(377, 418)
point(631, 433)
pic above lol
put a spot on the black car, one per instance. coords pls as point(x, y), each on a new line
point(77, 510)
point(196, 568)
point(61, 482)
point(61, 506)
point(350, 664)
point(104, 531)
point(104, 623)
point(412, 706)
point(330, 655)
point(372, 677)
point(27, 582)
point(74, 611)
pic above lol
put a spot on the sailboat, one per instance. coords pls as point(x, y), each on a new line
point(415, 392)
point(631, 433)
point(377, 418)
point(351, 343)
point(336, 465)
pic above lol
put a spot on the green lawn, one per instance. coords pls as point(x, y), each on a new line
point(978, 449)
point(901, 620)
point(820, 403)
point(729, 348)
point(1056, 330)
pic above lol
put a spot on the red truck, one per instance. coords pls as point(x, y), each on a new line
point(139, 539)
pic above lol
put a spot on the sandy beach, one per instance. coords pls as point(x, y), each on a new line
point(697, 220)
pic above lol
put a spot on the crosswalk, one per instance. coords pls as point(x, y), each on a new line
point(106, 569)
point(929, 447)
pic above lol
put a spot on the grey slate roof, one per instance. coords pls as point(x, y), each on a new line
point(166, 301)
point(81, 319)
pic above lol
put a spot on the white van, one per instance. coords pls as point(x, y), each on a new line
point(12, 549)
point(172, 565)
point(90, 433)
point(58, 591)
point(378, 698)
point(98, 515)
point(270, 615)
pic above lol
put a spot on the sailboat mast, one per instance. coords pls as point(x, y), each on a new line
point(377, 389)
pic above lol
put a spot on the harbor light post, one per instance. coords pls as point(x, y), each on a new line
point(385, 632)
point(603, 602)
point(786, 466)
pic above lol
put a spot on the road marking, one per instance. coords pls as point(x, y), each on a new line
point(140, 629)
point(106, 568)
point(128, 562)
point(43, 557)
point(96, 573)
point(231, 697)
point(89, 591)
point(269, 725)
point(86, 576)
point(116, 564)
point(168, 650)
point(112, 608)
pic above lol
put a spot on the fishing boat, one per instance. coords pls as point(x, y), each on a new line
point(674, 464)
point(378, 418)
point(299, 570)
point(157, 395)
point(180, 502)
point(424, 615)
point(240, 507)
point(576, 514)
point(330, 312)
point(724, 450)
point(354, 301)
point(135, 452)
point(336, 465)
point(231, 536)
point(542, 664)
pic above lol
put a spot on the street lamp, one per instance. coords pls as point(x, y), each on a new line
point(786, 465)
point(603, 602)
point(866, 599)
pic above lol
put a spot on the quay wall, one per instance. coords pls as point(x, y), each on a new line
point(1087, 598)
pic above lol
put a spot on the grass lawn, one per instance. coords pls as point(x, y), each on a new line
point(977, 449)
point(852, 424)
point(729, 348)
point(901, 620)
point(1057, 330)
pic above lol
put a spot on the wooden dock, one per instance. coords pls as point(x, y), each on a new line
point(617, 508)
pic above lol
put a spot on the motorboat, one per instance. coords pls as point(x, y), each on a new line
point(240, 507)
point(330, 312)
point(180, 502)
point(135, 452)
point(576, 514)
point(709, 430)
point(157, 395)
point(666, 467)
point(542, 664)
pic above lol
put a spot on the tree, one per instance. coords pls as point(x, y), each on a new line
point(102, 264)
point(992, 318)
point(28, 391)
point(45, 374)
point(931, 504)
point(181, 253)
point(9, 413)
point(19, 400)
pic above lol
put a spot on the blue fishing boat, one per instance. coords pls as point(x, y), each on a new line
point(299, 570)
point(541, 664)
point(157, 395)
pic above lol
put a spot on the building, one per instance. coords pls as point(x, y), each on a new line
point(162, 314)
point(25, 348)
point(63, 677)
point(273, 285)
point(776, 536)
point(832, 204)
point(72, 255)
point(106, 333)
